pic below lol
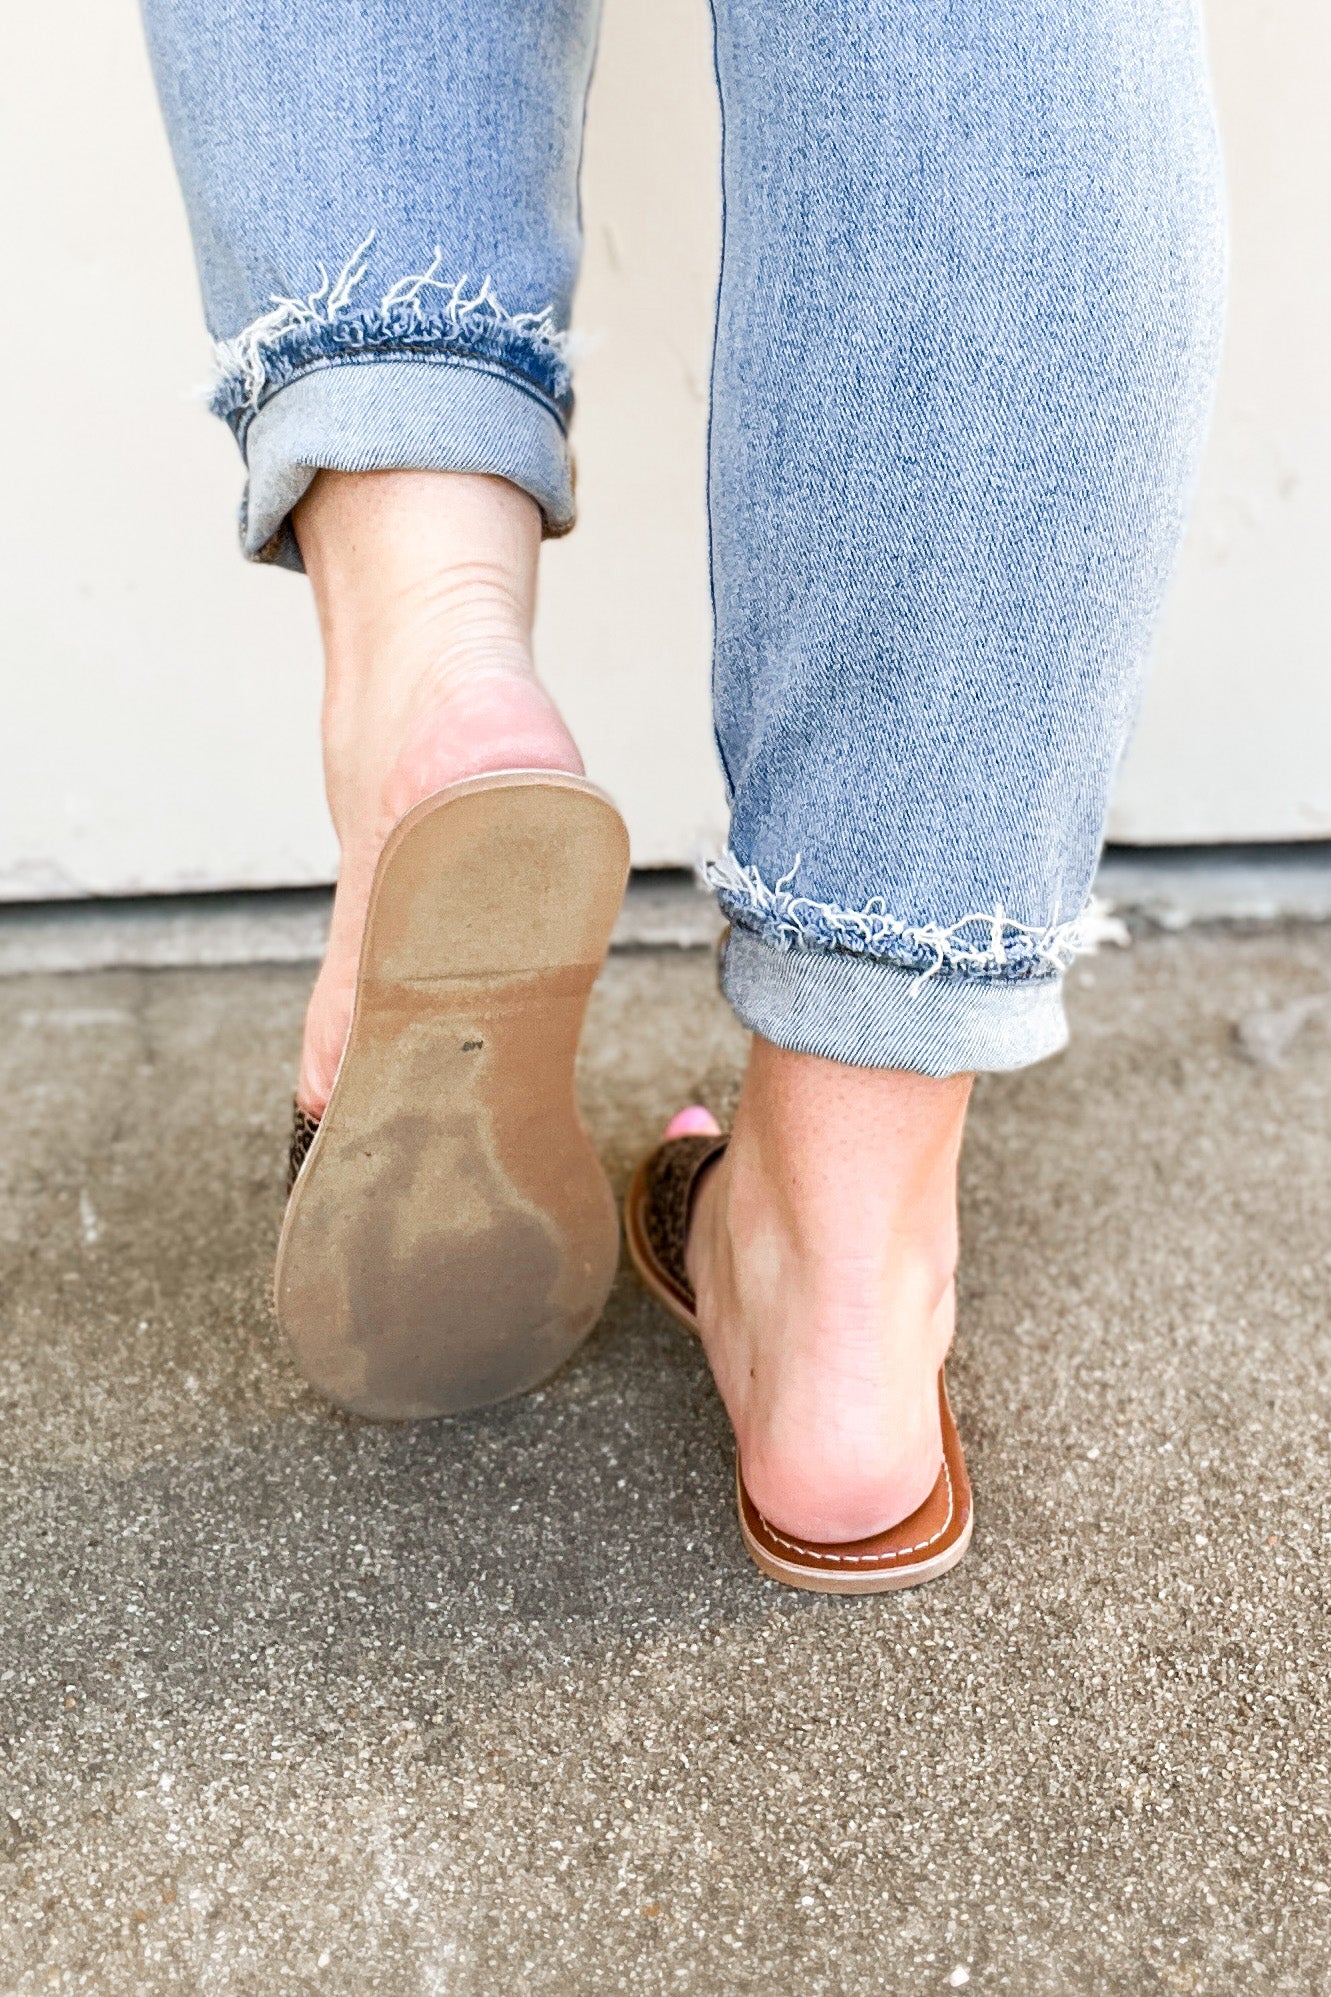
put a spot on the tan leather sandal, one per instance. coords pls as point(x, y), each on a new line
point(920, 1548)
point(450, 1237)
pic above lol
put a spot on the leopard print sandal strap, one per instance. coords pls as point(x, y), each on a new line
point(304, 1130)
point(657, 1211)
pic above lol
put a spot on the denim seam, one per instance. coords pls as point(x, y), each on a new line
point(987, 945)
point(444, 357)
point(721, 755)
point(296, 333)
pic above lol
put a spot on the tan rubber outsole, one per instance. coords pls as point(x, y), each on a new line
point(451, 1238)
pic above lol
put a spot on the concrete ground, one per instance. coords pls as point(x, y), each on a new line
point(293, 1702)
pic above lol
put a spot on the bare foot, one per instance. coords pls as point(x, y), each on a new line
point(823, 1251)
point(425, 584)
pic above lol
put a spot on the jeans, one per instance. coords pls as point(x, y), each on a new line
point(968, 321)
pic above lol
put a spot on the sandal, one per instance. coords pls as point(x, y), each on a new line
point(450, 1237)
point(921, 1547)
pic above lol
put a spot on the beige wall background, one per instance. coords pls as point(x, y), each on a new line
point(162, 697)
point(1235, 735)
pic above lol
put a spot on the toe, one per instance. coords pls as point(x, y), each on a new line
point(695, 1121)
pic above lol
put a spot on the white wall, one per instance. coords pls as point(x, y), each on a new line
point(625, 629)
point(161, 696)
point(1235, 739)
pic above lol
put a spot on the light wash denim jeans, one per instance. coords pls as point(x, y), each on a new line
point(968, 323)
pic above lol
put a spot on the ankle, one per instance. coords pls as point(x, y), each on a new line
point(449, 551)
point(425, 585)
point(852, 1167)
point(424, 636)
point(418, 580)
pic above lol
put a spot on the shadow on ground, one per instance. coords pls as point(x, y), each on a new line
point(294, 1702)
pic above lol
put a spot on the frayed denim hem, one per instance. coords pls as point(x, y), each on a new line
point(421, 315)
point(436, 376)
point(872, 1014)
point(979, 946)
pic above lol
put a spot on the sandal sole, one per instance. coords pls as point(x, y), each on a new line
point(451, 1238)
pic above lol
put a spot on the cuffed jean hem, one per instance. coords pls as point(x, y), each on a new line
point(384, 414)
point(872, 1014)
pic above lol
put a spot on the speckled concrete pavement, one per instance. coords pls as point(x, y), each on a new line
point(291, 1702)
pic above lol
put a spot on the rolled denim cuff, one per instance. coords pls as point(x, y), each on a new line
point(426, 413)
point(872, 1014)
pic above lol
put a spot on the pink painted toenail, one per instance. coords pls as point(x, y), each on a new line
point(695, 1121)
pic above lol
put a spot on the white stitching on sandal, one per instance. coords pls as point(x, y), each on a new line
point(878, 1559)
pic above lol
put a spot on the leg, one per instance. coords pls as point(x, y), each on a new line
point(384, 207)
point(968, 327)
point(426, 587)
